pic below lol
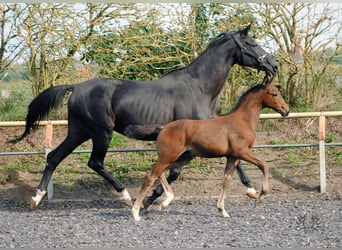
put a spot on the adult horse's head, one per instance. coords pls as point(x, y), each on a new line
point(248, 52)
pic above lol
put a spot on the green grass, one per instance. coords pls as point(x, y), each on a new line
point(118, 140)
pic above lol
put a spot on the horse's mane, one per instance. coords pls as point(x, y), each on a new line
point(217, 41)
point(252, 89)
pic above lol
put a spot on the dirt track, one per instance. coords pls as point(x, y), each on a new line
point(294, 215)
point(279, 222)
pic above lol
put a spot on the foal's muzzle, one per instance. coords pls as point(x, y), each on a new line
point(284, 112)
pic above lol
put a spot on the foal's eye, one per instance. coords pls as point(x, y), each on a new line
point(274, 94)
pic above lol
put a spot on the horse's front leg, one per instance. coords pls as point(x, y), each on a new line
point(227, 180)
point(251, 192)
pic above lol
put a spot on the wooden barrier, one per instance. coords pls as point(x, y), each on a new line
point(47, 146)
point(321, 137)
point(262, 116)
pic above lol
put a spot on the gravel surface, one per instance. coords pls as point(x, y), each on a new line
point(186, 223)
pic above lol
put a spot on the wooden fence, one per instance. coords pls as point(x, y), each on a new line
point(320, 136)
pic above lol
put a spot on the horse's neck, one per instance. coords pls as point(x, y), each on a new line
point(250, 109)
point(210, 71)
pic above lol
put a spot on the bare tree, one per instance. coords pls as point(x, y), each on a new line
point(296, 28)
point(54, 33)
point(10, 46)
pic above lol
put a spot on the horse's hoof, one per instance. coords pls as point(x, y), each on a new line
point(147, 205)
point(33, 203)
point(35, 200)
point(252, 193)
point(125, 198)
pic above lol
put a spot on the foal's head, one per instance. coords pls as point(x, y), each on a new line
point(271, 98)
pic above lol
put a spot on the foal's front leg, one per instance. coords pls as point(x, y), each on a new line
point(146, 185)
point(248, 155)
point(148, 181)
point(227, 180)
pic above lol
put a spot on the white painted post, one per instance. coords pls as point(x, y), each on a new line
point(322, 168)
point(48, 141)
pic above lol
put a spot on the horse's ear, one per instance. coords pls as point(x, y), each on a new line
point(266, 81)
point(246, 30)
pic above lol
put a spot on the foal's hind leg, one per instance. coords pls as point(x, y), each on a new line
point(227, 180)
point(100, 146)
point(168, 192)
point(175, 170)
point(52, 161)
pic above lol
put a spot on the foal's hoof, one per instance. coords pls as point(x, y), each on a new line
point(259, 200)
point(135, 214)
point(147, 204)
point(162, 207)
point(224, 213)
point(251, 193)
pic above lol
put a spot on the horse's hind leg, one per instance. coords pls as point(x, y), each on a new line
point(52, 161)
point(100, 146)
point(227, 180)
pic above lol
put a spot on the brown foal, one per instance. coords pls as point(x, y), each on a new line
point(231, 136)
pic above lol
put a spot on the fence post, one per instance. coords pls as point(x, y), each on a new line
point(47, 147)
point(321, 138)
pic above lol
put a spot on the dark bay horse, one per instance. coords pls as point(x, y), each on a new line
point(231, 136)
point(138, 109)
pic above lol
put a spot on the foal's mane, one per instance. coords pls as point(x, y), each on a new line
point(255, 88)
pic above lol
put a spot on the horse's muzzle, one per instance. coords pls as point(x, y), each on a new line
point(271, 66)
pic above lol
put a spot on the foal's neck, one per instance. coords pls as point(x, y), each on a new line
point(250, 109)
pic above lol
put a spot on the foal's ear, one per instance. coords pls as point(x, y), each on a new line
point(246, 30)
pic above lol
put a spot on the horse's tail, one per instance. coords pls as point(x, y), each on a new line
point(40, 106)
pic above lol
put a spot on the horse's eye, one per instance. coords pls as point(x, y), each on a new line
point(274, 94)
point(221, 36)
point(252, 43)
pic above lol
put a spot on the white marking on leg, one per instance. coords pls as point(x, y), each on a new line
point(125, 198)
point(135, 212)
point(36, 199)
point(167, 201)
point(220, 205)
point(252, 193)
point(225, 214)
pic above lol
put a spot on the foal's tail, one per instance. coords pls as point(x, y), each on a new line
point(40, 106)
